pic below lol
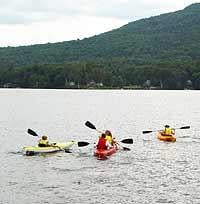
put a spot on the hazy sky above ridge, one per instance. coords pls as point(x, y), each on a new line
point(26, 22)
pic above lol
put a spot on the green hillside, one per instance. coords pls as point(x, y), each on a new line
point(167, 42)
point(168, 36)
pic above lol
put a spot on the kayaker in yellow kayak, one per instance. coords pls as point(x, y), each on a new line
point(43, 142)
point(168, 130)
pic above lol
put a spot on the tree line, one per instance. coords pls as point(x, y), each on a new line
point(113, 73)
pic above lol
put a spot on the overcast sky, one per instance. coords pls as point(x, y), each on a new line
point(26, 22)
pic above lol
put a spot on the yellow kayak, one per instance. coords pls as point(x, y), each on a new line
point(31, 150)
point(166, 138)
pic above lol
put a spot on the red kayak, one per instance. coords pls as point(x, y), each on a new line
point(105, 152)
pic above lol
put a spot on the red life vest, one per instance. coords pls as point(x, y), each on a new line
point(101, 143)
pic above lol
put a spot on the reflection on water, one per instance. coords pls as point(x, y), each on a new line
point(152, 172)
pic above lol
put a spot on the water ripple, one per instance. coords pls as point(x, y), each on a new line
point(152, 172)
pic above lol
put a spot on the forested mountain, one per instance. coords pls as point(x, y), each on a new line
point(130, 55)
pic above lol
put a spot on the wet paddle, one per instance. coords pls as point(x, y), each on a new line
point(149, 131)
point(126, 141)
point(33, 133)
point(91, 126)
point(124, 148)
point(82, 144)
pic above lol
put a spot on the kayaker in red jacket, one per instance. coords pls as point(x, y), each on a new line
point(103, 143)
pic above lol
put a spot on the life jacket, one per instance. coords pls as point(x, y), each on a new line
point(109, 139)
point(101, 143)
point(168, 131)
point(43, 143)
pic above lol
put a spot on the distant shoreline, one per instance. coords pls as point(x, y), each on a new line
point(142, 89)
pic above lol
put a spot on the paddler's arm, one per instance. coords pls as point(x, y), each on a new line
point(52, 144)
point(173, 131)
point(108, 145)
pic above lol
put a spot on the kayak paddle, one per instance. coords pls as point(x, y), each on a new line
point(82, 144)
point(127, 141)
point(149, 131)
point(124, 148)
point(90, 125)
point(33, 133)
point(184, 127)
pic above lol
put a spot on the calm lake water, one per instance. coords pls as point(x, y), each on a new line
point(152, 172)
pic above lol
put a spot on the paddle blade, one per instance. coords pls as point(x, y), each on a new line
point(83, 144)
point(31, 132)
point(126, 149)
point(127, 141)
point(67, 151)
point(185, 127)
point(90, 125)
point(148, 131)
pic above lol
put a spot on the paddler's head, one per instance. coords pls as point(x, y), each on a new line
point(107, 132)
point(44, 137)
point(103, 135)
point(166, 126)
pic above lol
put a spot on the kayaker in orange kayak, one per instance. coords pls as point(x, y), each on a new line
point(103, 143)
point(168, 130)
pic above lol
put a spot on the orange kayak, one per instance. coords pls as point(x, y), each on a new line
point(166, 138)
